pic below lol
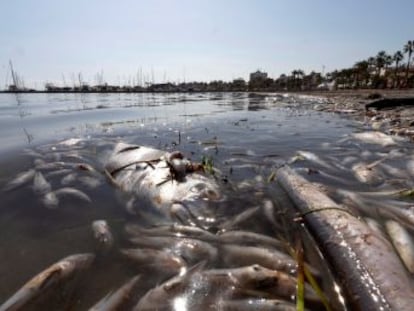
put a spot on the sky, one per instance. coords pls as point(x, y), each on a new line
point(127, 41)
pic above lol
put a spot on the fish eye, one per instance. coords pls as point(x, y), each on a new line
point(256, 268)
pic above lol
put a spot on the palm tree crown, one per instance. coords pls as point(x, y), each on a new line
point(408, 49)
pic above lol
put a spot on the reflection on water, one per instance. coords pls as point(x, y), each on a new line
point(246, 136)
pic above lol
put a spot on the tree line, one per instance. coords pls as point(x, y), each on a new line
point(377, 72)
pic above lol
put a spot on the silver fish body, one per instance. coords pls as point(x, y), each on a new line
point(375, 137)
point(192, 250)
point(56, 273)
point(114, 300)
point(159, 260)
point(172, 291)
point(20, 180)
point(148, 174)
point(248, 304)
point(248, 255)
point(256, 280)
point(403, 243)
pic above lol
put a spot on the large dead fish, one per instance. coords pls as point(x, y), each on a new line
point(20, 180)
point(200, 289)
point(57, 273)
point(165, 295)
point(403, 243)
point(248, 255)
point(370, 272)
point(167, 181)
point(375, 137)
point(159, 260)
point(114, 300)
point(191, 250)
point(253, 305)
point(255, 280)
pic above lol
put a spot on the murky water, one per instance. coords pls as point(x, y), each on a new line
point(246, 136)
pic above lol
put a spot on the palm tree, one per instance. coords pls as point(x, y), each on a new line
point(297, 78)
point(397, 58)
point(361, 72)
point(388, 61)
point(408, 49)
point(380, 61)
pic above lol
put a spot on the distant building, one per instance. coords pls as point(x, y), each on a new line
point(258, 75)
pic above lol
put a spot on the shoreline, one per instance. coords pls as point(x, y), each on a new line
point(349, 93)
point(393, 119)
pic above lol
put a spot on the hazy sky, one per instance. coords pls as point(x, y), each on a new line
point(52, 40)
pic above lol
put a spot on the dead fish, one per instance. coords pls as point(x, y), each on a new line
point(147, 174)
point(90, 182)
point(349, 160)
point(38, 162)
point(125, 154)
point(191, 250)
point(84, 167)
point(234, 222)
point(403, 215)
point(40, 185)
point(102, 233)
point(20, 180)
point(403, 243)
point(162, 297)
point(270, 212)
point(312, 157)
point(70, 141)
point(50, 200)
point(367, 174)
point(171, 230)
point(249, 304)
point(67, 191)
point(69, 179)
point(256, 280)
point(63, 171)
point(114, 300)
point(375, 226)
point(51, 165)
point(74, 155)
point(375, 137)
point(32, 153)
point(410, 167)
point(394, 171)
point(158, 259)
point(55, 274)
point(248, 255)
point(249, 238)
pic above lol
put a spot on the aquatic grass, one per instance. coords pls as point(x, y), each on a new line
point(207, 163)
point(271, 177)
point(317, 289)
point(305, 274)
point(407, 193)
point(300, 290)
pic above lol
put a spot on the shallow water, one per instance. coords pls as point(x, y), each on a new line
point(247, 136)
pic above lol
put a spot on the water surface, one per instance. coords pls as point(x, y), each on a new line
point(246, 136)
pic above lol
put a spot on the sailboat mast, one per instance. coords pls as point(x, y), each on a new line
point(14, 77)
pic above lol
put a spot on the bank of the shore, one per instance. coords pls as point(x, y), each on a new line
point(394, 119)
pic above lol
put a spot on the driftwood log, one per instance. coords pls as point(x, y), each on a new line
point(364, 264)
